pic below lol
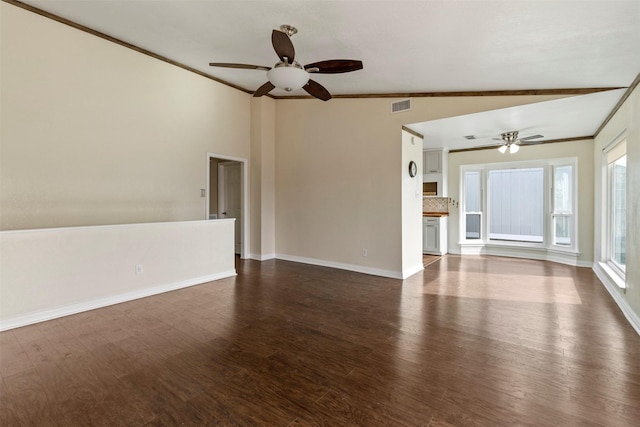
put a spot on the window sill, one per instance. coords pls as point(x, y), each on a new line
point(520, 250)
point(613, 275)
point(520, 245)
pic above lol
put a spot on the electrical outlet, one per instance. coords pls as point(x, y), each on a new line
point(364, 252)
point(139, 269)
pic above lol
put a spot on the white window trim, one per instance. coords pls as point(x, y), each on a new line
point(610, 267)
point(545, 250)
point(555, 163)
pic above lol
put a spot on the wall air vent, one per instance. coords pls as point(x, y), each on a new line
point(399, 106)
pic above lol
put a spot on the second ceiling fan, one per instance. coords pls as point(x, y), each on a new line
point(288, 74)
point(511, 141)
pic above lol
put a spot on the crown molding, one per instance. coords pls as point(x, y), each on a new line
point(119, 42)
point(549, 141)
point(524, 92)
point(615, 109)
point(412, 132)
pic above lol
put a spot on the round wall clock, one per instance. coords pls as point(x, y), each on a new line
point(413, 169)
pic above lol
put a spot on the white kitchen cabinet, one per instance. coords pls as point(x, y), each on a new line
point(432, 161)
point(434, 235)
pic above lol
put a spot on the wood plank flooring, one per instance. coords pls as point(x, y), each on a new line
point(478, 341)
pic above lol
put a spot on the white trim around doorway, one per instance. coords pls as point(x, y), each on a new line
point(244, 177)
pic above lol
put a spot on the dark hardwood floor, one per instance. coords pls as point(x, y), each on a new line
point(470, 341)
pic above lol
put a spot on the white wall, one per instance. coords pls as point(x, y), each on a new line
point(583, 150)
point(627, 121)
point(96, 133)
point(50, 273)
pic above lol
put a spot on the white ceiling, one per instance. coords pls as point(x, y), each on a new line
point(565, 118)
point(406, 46)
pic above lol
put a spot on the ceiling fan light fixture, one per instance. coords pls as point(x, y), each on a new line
point(513, 148)
point(502, 149)
point(289, 77)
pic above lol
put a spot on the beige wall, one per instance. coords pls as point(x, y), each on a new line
point(95, 133)
point(582, 150)
point(339, 169)
point(627, 121)
point(99, 134)
point(262, 178)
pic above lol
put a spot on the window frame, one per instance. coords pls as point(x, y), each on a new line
point(481, 204)
point(613, 152)
point(555, 213)
point(548, 242)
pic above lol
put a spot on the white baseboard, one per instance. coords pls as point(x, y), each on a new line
point(560, 257)
point(342, 266)
point(615, 291)
point(54, 313)
point(411, 271)
point(262, 257)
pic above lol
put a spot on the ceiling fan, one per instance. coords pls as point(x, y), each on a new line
point(288, 74)
point(511, 142)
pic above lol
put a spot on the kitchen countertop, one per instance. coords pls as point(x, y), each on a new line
point(436, 214)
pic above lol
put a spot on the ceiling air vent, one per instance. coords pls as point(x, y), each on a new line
point(399, 106)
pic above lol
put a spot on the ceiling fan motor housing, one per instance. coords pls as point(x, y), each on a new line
point(510, 137)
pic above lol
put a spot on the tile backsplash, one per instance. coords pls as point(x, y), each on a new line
point(435, 204)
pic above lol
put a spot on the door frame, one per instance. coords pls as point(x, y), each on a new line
point(244, 197)
point(222, 192)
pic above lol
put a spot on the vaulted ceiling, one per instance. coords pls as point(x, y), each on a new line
point(407, 47)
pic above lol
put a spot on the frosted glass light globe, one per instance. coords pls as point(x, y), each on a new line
point(288, 77)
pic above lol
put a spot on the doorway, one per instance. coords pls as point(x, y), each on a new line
point(229, 205)
point(226, 196)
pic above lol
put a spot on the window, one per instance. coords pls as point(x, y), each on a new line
point(472, 204)
point(618, 210)
point(528, 204)
point(562, 205)
point(616, 177)
point(515, 204)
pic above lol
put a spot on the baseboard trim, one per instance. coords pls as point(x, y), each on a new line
point(67, 310)
point(262, 257)
point(614, 290)
point(342, 266)
point(411, 271)
point(525, 253)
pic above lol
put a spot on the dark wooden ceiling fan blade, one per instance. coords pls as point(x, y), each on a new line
point(282, 45)
point(526, 138)
point(334, 66)
point(264, 89)
point(244, 66)
point(314, 88)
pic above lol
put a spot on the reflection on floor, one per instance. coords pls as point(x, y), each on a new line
point(429, 259)
point(509, 279)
